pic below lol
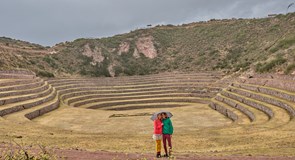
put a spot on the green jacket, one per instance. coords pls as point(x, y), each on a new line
point(167, 126)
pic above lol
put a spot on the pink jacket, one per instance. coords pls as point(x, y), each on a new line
point(157, 126)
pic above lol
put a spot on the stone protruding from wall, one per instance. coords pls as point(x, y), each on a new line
point(95, 53)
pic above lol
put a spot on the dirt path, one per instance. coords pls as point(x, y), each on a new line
point(73, 154)
point(100, 155)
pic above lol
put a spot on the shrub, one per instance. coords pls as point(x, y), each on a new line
point(290, 68)
point(213, 53)
point(270, 65)
point(101, 69)
point(32, 62)
point(83, 71)
point(244, 65)
point(118, 70)
point(20, 152)
point(45, 74)
point(2, 62)
point(50, 61)
point(284, 44)
point(221, 65)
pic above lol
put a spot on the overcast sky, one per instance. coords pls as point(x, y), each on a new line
point(48, 22)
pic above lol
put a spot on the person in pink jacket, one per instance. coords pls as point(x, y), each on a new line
point(157, 136)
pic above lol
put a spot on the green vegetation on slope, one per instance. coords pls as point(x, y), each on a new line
point(268, 66)
point(229, 45)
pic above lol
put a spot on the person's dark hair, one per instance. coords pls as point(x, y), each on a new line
point(164, 113)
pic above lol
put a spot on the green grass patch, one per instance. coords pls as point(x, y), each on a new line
point(45, 74)
point(266, 67)
point(50, 61)
point(290, 68)
point(284, 44)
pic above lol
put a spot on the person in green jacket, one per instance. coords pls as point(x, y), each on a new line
point(167, 133)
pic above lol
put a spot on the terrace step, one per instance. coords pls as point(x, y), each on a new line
point(22, 72)
point(79, 96)
point(227, 111)
point(153, 77)
point(287, 85)
point(22, 86)
point(276, 114)
point(16, 76)
point(179, 88)
point(149, 105)
point(275, 76)
point(25, 91)
point(102, 105)
point(11, 82)
point(19, 106)
point(287, 105)
point(132, 97)
point(37, 111)
point(255, 115)
point(250, 102)
point(289, 96)
point(128, 83)
point(118, 81)
point(237, 106)
point(133, 86)
point(19, 98)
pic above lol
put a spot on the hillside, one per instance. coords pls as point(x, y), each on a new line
point(261, 45)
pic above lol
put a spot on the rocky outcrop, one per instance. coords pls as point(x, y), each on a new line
point(135, 53)
point(123, 48)
point(111, 70)
point(145, 45)
point(96, 54)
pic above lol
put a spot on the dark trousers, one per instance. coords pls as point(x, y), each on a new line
point(167, 137)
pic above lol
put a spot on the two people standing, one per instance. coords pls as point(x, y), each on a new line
point(163, 130)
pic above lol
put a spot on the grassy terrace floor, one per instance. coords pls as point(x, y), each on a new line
point(203, 132)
